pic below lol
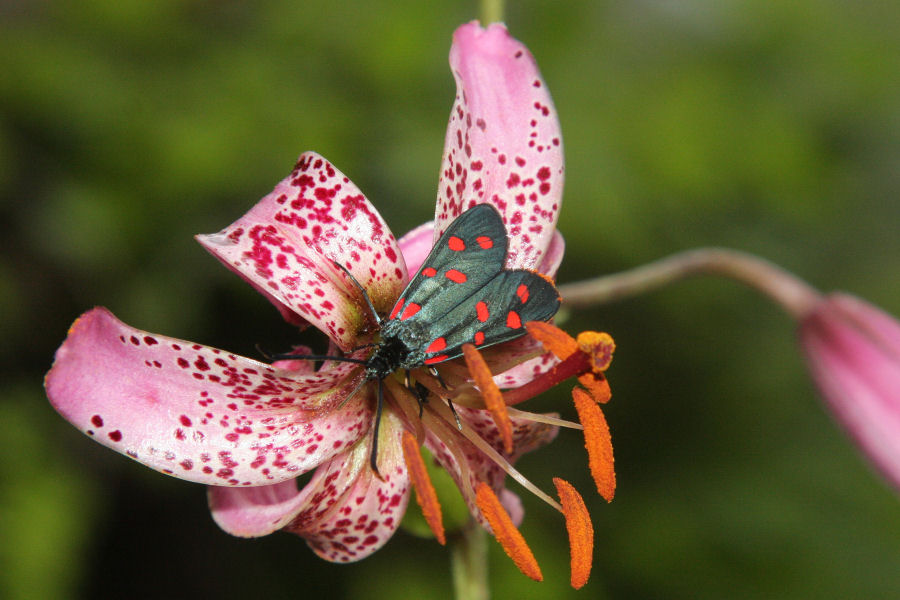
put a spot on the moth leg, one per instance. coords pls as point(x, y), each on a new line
point(422, 396)
point(437, 375)
point(419, 391)
point(455, 414)
point(373, 457)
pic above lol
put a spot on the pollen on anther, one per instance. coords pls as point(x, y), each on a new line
point(580, 529)
point(426, 495)
point(490, 393)
point(506, 533)
point(598, 442)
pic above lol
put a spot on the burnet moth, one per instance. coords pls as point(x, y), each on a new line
point(461, 294)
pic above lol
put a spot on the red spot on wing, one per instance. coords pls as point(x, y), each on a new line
point(456, 244)
point(479, 338)
point(411, 309)
point(397, 308)
point(522, 293)
point(513, 321)
point(436, 346)
point(481, 310)
point(436, 359)
point(429, 272)
point(485, 242)
point(456, 276)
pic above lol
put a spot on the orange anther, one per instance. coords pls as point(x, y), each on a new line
point(597, 386)
point(554, 339)
point(598, 443)
point(581, 532)
point(493, 398)
point(426, 496)
point(506, 533)
point(599, 346)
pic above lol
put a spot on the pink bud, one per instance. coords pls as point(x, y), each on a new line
point(853, 351)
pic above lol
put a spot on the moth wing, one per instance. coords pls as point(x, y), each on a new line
point(467, 256)
point(495, 313)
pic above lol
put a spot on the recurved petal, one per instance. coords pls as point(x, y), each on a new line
point(255, 511)
point(504, 360)
point(285, 244)
point(554, 255)
point(199, 413)
point(258, 511)
point(362, 511)
point(503, 143)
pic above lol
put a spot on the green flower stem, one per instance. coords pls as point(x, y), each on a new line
point(469, 562)
point(793, 294)
point(491, 11)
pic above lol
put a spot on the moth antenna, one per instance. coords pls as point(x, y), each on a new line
point(264, 354)
point(347, 359)
point(361, 289)
point(373, 457)
point(353, 393)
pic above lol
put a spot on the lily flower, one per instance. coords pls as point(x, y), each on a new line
point(248, 429)
point(853, 352)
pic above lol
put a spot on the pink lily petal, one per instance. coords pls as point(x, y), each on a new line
point(500, 356)
point(527, 436)
point(258, 511)
point(255, 511)
point(360, 520)
point(554, 255)
point(285, 244)
point(199, 413)
point(853, 351)
point(512, 504)
point(503, 143)
point(416, 244)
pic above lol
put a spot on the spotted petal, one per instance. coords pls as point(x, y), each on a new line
point(285, 244)
point(350, 523)
point(199, 413)
point(503, 144)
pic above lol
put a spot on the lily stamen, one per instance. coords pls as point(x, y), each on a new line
point(426, 495)
point(581, 532)
point(493, 398)
point(506, 533)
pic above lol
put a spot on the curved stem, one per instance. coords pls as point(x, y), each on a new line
point(491, 12)
point(468, 560)
point(793, 294)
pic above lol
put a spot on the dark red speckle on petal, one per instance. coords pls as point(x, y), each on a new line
point(115, 436)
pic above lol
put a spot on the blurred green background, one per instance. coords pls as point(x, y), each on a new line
point(127, 126)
